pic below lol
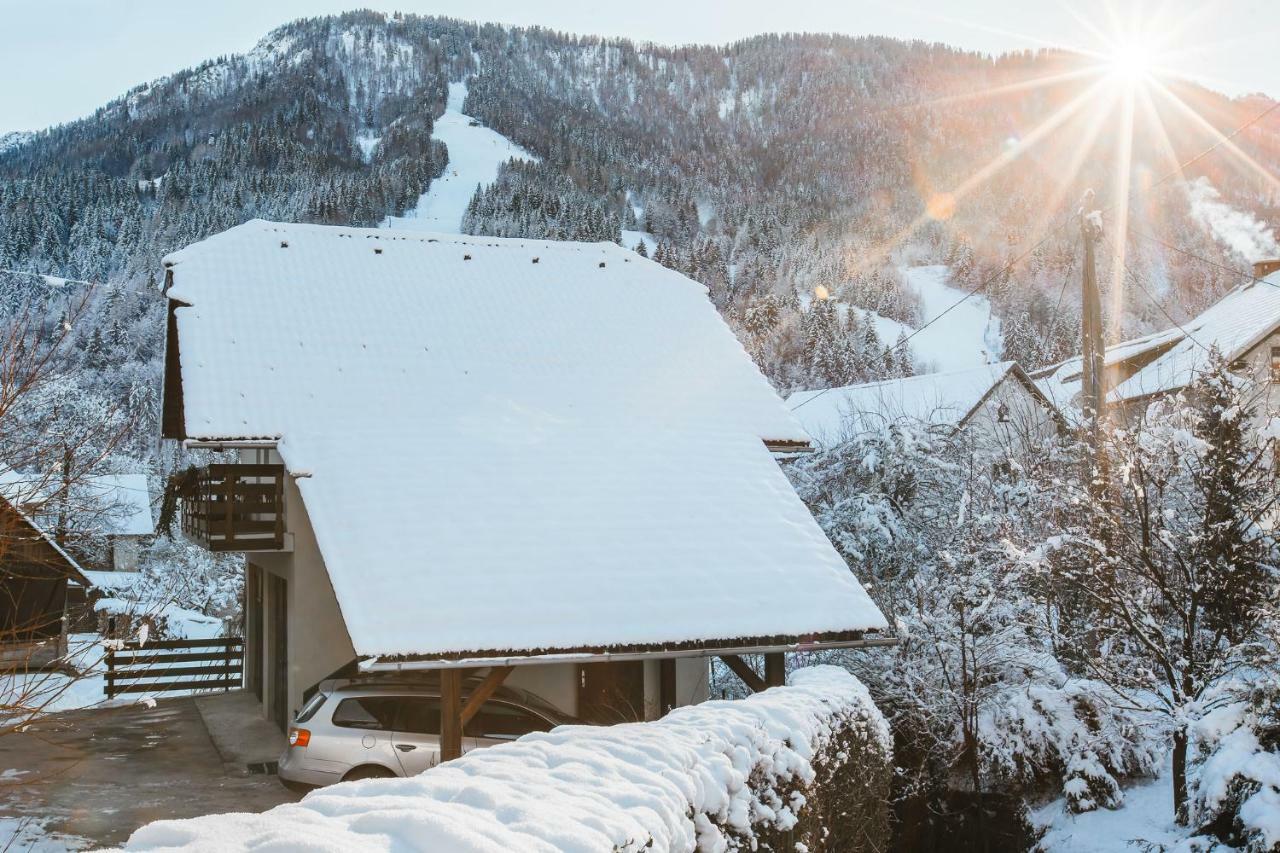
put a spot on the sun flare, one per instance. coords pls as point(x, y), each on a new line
point(1132, 61)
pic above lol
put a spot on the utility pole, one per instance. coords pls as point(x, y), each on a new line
point(1092, 390)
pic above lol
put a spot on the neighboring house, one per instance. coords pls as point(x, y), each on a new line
point(997, 404)
point(1243, 326)
point(114, 509)
point(551, 461)
point(122, 507)
point(36, 576)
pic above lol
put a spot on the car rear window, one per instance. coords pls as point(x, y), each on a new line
point(505, 722)
point(309, 710)
point(366, 712)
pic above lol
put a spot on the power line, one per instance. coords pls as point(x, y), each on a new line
point(1152, 238)
point(1136, 280)
point(980, 286)
point(1223, 141)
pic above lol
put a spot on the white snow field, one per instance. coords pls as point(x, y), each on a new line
point(968, 336)
point(475, 153)
point(1146, 816)
point(671, 784)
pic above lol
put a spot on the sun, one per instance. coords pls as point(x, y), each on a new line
point(1132, 61)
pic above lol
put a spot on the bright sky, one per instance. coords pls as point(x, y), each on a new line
point(63, 58)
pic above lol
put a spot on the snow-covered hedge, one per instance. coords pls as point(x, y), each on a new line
point(800, 768)
point(1235, 793)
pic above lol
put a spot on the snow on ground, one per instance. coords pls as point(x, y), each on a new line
point(671, 784)
point(631, 238)
point(475, 153)
point(968, 336)
point(28, 835)
point(368, 143)
point(1147, 815)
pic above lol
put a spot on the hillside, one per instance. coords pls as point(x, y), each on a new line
point(766, 169)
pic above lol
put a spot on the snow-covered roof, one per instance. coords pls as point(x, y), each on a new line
point(125, 500)
point(1233, 325)
point(941, 399)
point(113, 581)
point(115, 504)
point(509, 444)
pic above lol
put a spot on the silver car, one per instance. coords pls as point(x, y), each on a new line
point(379, 728)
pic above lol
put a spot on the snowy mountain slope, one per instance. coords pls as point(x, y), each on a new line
point(475, 153)
point(961, 333)
point(13, 139)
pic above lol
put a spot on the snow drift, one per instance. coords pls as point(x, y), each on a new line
point(799, 767)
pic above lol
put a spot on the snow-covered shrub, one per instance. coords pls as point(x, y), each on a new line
point(1235, 789)
point(1075, 732)
point(805, 767)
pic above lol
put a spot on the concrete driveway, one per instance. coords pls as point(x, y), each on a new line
point(89, 778)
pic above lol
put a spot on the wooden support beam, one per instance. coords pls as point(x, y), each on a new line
point(450, 714)
point(741, 669)
point(481, 694)
point(666, 685)
point(775, 669)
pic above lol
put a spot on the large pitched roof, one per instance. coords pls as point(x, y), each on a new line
point(1233, 325)
point(508, 444)
point(939, 399)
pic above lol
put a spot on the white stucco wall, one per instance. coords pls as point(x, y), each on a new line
point(1027, 422)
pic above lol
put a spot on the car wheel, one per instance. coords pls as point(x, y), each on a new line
point(368, 771)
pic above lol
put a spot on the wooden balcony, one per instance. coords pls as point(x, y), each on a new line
point(235, 507)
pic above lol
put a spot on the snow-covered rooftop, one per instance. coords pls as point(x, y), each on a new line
point(1233, 325)
point(509, 444)
point(125, 501)
point(940, 399)
point(115, 504)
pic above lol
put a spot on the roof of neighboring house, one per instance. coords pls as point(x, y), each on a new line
point(1233, 325)
point(114, 504)
point(508, 445)
point(125, 500)
point(942, 399)
point(69, 566)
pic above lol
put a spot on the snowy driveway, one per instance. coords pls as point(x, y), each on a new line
point(89, 778)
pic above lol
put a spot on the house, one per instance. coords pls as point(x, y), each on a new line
point(121, 508)
point(1243, 327)
point(36, 575)
point(112, 508)
point(549, 461)
point(997, 404)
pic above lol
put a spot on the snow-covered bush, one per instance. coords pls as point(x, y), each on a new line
point(804, 767)
point(1235, 791)
point(1074, 731)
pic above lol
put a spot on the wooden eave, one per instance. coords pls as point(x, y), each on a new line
point(173, 422)
point(692, 648)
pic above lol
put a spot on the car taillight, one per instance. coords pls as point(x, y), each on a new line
point(299, 737)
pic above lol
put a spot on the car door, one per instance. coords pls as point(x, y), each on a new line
point(416, 738)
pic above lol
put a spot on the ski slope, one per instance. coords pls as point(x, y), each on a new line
point(475, 153)
point(962, 336)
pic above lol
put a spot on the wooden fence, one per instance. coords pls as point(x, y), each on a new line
point(165, 665)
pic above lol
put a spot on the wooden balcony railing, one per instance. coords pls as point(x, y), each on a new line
point(235, 507)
